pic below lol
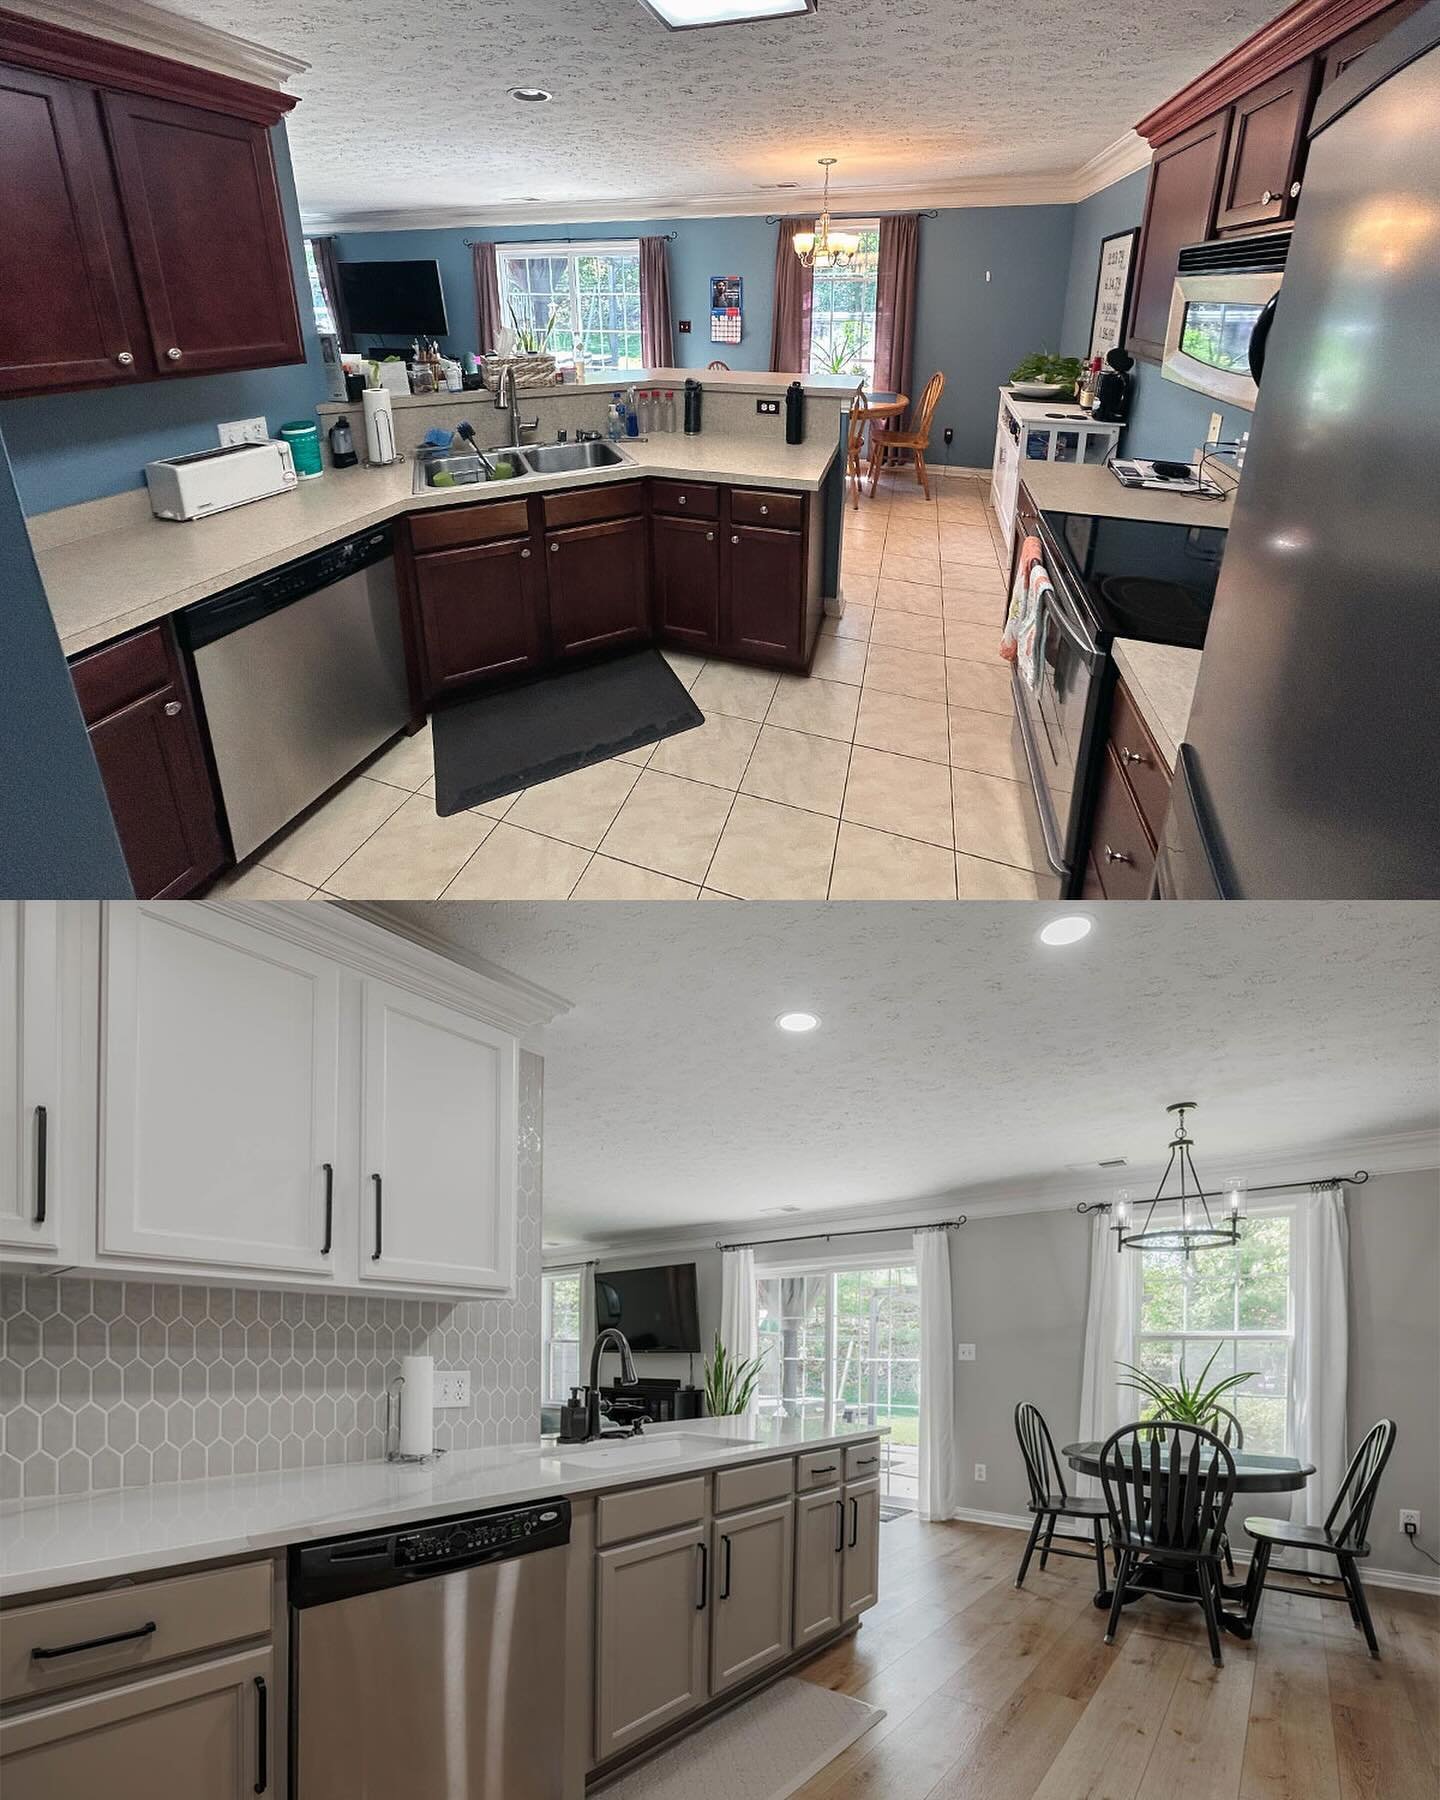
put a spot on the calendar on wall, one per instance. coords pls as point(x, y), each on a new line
point(727, 309)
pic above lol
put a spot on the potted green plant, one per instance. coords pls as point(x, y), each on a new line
point(1044, 374)
point(729, 1382)
point(1183, 1402)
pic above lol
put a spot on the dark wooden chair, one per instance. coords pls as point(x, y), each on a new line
point(1051, 1500)
point(1345, 1540)
point(1168, 1489)
point(1231, 1434)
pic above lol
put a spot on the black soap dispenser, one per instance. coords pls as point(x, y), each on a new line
point(693, 395)
point(795, 414)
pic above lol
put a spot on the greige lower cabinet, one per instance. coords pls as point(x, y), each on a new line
point(752, 1556)
point(861, 1580)
point(650, 1637)
point(201, 1732)
point(820, 1520)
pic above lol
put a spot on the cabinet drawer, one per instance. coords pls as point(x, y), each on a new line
point(640, 1512)
point(690, 499)
point(117, 674)
point(62, 1642)
point(754, 1485)
point(441, 529)
point(1123, 854)
point(818, 1469)
point(585, 504)
point(862, 1461)
point(1140, 761)
point(762, 506)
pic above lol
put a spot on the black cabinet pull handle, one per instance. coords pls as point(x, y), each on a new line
point(148, 1629)
point(329, 1169)
point(379, 1219)
point(839, 1526)
point(704, 1550)
point(824, 1469)
point(262, 1735)
point(866, 1462)
point(854, 1522)
point(42, 1154)
point(725, 1578)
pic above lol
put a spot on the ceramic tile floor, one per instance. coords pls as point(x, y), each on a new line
point(892, 772)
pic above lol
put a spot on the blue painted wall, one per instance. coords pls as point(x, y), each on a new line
point(1167, 420)
point(71, 447)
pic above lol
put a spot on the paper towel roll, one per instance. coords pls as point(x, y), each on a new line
point(379, 427)
point(417, 1405)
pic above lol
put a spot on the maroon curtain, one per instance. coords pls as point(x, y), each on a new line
point(794, 285)
point(657, 349)
point(895, 291)
point(487, 294)
point(325, 264)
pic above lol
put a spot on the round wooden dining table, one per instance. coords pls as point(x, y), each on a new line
point(1254, 1474)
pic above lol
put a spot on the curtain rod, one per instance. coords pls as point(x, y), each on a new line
point(811, 1237)
point(1272, 1187)
point(475, 243)
point(923, 212)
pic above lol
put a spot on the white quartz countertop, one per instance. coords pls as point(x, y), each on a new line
point(60, 1543)
point(1161, 680)
point(135, 568)
point(1091, 488)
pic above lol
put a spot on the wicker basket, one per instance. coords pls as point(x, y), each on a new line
point(530, 371)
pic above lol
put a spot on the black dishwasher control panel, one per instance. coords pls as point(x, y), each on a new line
point(342, 1567)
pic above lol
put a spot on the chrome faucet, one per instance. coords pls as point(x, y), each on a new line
point(580, 1418)
point(507, 401)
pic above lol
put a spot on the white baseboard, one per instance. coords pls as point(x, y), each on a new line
point(1402, 1579)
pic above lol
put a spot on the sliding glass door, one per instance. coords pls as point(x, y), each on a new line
point(844, 1343)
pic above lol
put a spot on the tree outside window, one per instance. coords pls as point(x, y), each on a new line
point(559, 1336)
point(579, 301)
point(842, 311)
point(324, 322)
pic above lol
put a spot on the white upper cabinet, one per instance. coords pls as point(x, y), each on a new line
point(439, 1133)
point(33, 1128)
point(219, 1060)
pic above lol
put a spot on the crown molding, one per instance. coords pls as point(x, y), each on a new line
point(160, 32)
point(1400, 1153)
point(1112, 164)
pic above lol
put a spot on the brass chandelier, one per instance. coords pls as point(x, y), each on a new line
point(824, 247)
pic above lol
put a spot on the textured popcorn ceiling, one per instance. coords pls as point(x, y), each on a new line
point(955, 1051)
point(405, 107)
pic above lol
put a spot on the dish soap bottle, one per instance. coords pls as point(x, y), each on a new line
point(615, 419)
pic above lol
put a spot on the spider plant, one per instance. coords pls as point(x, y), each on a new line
point(729, 1383)
point(841, 356)
point(531, 341)
point(1183, 1402)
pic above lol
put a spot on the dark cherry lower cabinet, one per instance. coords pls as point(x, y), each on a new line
point(143, 730)
point(599, 588)
point(686, 564)
point(764, 613)
point(480, 610)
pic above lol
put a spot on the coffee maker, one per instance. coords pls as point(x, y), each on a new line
point(1115, 388)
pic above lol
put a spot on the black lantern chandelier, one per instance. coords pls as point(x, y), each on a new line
point(1183, 1220)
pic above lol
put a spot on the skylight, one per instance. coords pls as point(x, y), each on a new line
point(685, 15)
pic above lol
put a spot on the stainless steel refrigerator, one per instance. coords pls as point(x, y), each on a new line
point(1311, 766)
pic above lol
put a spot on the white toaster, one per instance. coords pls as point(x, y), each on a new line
point(209, 481)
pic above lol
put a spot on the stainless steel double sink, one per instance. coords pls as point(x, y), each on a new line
point(509, 463)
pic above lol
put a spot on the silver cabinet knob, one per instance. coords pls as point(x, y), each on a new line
point(1132, 756)
point(764, 511)
point(125, 359)
point(524, 553)
point(735, 540)
point(682, 499)
point(173, 354)
point(1266, 197)
point(1117, 856)
point(554, 548)
point(709, 537)
point(1294, 190)
point(172, 709)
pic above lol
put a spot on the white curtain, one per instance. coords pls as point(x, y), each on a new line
point(937, 1376)
point(739, 1329)
point(1319, 1252)
point(587, 1315)
point(1109, 1340)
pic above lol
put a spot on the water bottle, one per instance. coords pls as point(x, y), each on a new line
point(795, 414)
point(670, 409)
point(632, 418)
point(693, 395)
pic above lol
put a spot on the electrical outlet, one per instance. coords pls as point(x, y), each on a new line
point(768, 406)
point(1410, 1519)
point(980, 1471)
point(949, 435)
point(1217, 425)
point(452, 1387)
point(965, 1353)
point(243, 431)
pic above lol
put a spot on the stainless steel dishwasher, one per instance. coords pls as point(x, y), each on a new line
point(431, 1662)
point(302, 676)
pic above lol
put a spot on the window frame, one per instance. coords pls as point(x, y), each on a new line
point(572, 251)
point(1238, 1335)
point(319, 304)
point(866, 373)
point(548, 1340)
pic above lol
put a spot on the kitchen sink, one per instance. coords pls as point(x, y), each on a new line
point(463, 471)
point(562, 459)
point(608, 1452)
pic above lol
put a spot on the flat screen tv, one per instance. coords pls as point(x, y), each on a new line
point(655, 1308)
point(403, 299)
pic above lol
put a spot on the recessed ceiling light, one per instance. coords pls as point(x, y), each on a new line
point(531, 96)
point(686, 15)
point(1069, 928)
point(797, 1021)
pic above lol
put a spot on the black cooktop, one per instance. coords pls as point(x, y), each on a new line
point(1140, 579)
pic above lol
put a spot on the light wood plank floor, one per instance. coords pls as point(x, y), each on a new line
point(994, 1694)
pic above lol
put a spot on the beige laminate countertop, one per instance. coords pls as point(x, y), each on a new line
point(56, 1543)
point(135, 568)
point(1090, 488)
point(1160, 678)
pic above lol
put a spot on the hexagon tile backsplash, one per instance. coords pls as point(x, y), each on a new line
point(107, 1384)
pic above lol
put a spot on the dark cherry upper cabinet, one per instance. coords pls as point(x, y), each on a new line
point(1338, 56)
point(203, 213)
point(1261, 180)
point(687, 581)
point(147, 741)
point(480, 612)
point(65, 325)
point(598, 589)
point(1179, 210)
point(765, 592)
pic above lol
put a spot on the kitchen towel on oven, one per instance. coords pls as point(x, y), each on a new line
point(1022, 641)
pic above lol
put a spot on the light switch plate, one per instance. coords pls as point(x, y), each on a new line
point(243, 431)
point(452, 1387)
point(965, 1353)
point(1217, 425)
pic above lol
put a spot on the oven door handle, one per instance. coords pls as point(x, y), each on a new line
point(1053, 607)
point(1054, 851)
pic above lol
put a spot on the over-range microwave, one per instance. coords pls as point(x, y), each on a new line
point(1220, 313)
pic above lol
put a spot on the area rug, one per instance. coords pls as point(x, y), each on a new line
point(767, 1748)
point(494, 744)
